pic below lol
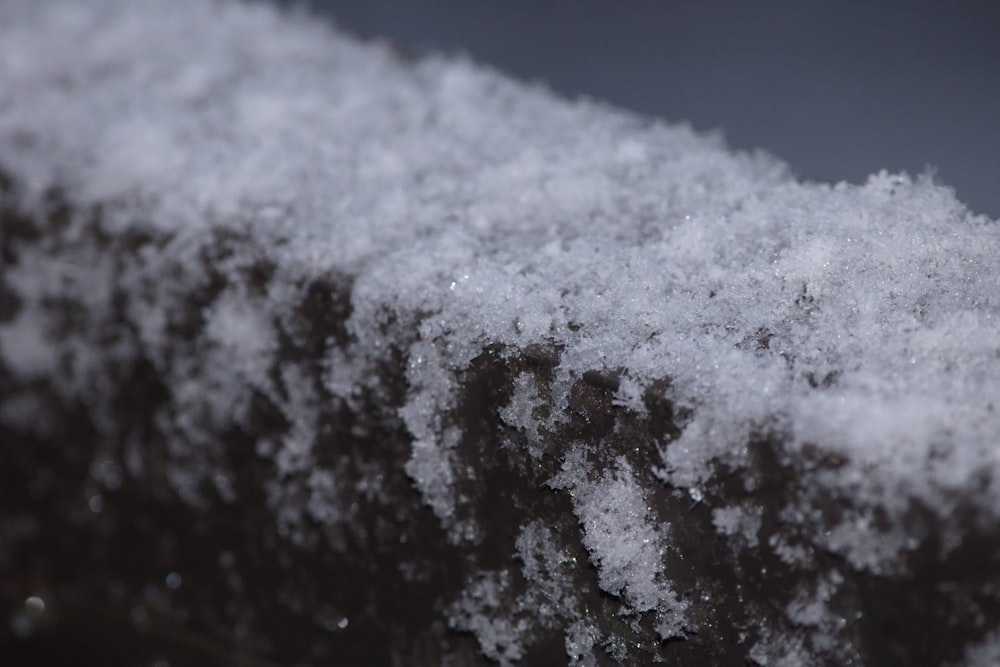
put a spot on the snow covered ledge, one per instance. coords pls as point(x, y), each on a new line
point(311, 355)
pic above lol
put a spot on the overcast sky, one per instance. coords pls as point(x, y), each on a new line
point(837, 89)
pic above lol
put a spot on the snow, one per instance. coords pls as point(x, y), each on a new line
point(477, 612)
point(985, 653)
point(545, 566)
point(737, 521)
point(624, 545)
point(520, 412)
point(579, 646)
point(471, 212)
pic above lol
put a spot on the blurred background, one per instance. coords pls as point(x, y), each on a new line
point(838, 89)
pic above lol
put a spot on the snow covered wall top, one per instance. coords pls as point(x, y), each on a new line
point(863, 320)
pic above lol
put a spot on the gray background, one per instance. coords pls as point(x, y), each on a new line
point(836, 89)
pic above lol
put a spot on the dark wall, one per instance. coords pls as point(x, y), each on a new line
point(838, 89)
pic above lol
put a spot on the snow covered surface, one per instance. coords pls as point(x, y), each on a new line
point(470, 212)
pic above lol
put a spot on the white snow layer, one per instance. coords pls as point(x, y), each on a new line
point(479, 211)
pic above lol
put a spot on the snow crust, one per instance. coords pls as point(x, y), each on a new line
point(469, 211)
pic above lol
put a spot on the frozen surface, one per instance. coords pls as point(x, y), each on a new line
point(469, 213)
